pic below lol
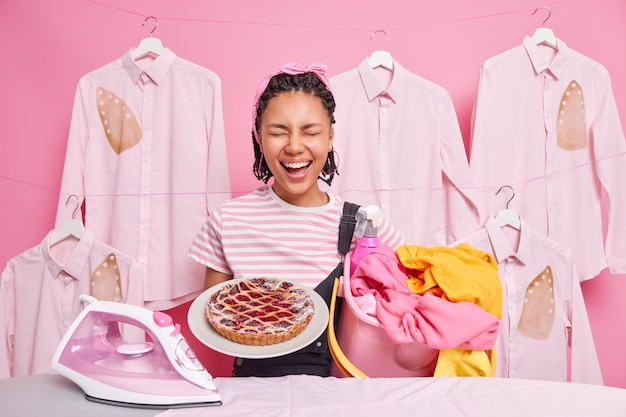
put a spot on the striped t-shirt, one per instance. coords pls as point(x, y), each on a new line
point(258, 234)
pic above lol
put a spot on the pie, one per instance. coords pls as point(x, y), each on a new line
point(260, 311)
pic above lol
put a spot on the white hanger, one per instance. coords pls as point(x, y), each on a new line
point(70, 227)
point(381, 58)
point(544, 34)
point(150, 45)
point(508, 217)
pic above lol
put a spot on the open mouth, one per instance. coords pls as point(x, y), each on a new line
point(295, 168)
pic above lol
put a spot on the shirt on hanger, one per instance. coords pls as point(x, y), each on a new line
point(302, 245)
point(546, 124)
point(401, 148)
point(147, 153)
point(40, 291)
point(543, 310)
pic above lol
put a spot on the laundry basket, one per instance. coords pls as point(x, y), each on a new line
point(365, 345)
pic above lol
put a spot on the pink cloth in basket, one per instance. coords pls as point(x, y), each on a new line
point(407, 317)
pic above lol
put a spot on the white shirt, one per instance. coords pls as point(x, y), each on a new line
point(543, 310)
point(147, 153)
point(39, 293)
point(401, 148)
point(546, 124)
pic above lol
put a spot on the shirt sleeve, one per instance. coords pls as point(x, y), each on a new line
point(207, 247)
point(585, 366)
point(481, 160)
point(218, 178)
point(7, 320)
point(389, 235)
point(462, 213)
point(72, 182)
point(610, 155)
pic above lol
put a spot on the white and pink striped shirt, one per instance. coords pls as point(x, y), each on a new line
point(258, 234)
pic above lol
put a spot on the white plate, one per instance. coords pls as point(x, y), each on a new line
point(201, 328)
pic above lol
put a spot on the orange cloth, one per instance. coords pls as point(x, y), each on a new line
point(460, 273)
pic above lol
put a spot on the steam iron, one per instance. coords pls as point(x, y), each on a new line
point(160, 372)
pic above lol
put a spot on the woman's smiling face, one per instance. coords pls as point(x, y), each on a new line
point(296, 136)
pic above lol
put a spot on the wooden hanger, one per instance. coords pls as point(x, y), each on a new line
point(508, 217)
point(543, 34)
point(381, 58)
point(71, 227)
point(149, 45)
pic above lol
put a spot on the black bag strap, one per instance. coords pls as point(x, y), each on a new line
point(346, 230)
point(346, 227)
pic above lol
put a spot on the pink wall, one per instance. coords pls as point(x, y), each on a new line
point(46, 46)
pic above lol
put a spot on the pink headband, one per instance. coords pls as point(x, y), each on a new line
point(292, 69)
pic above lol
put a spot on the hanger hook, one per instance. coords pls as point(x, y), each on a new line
point(386, 37)
point(512, 191)
point(156, 23)
point(77, 205)
point(547, 17)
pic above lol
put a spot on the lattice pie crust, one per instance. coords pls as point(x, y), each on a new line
point(260, 311)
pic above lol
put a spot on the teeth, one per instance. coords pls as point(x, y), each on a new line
point(296, 165)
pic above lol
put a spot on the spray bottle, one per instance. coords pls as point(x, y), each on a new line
point(368, 219)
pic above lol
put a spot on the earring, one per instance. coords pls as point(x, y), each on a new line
point(332, 163)
point(257, 169)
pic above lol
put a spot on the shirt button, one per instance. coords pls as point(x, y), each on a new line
point(143, 261)
point(238, 361)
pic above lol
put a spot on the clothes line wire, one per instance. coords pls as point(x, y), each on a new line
point(515, 184)
point(321, 27)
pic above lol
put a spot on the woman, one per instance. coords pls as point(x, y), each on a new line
point(287, 230)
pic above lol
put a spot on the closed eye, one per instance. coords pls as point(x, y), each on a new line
point(312, 129)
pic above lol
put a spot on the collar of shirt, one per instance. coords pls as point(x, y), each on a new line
point(501, 247)
point(541, 61)
point(157, 70)
point(74, 264)
point(373, 89)
point(277, 199)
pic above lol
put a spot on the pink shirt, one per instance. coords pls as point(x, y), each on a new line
point(147, 153)
point(258, 234)
point(546, 123)
point(39, 291)
point(543, 310)
point(400, 147)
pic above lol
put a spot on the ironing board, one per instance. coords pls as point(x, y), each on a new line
point(307, 396)
point(55, 395)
